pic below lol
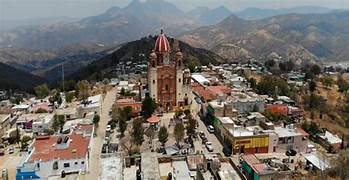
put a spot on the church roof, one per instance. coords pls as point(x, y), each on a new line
point(162, 44)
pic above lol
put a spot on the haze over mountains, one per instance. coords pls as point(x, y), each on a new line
point(302, 38)
point(43, 49)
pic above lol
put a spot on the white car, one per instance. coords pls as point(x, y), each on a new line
point(209, 146)
point(108, 128)
point(210, 129)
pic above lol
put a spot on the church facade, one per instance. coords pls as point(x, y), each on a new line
point(169, 82)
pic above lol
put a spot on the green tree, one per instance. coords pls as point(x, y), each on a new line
point(137, 133)
point(178, 132)
point(327, 81)
point(316, 69)
point(148, 107)
point(96, 120)
point(343, 86)
point(82, 88)
point(312, 86)
point(272, 85)
point(312, 101)
point(252, 82)
point(24, 141)
point(42, 91)
point(58, 122)
point(69, 96)
point(163, 135)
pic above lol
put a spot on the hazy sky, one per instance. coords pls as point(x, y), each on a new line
point(29, 9)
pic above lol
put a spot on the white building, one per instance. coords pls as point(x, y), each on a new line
point(54, 155)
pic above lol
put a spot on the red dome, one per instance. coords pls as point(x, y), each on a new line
point(162, 44)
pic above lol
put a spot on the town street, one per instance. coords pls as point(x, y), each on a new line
point(218, 148)
point(100, 131)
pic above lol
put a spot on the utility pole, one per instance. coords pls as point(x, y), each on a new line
point(63, 77)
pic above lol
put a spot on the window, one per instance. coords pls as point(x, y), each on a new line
point(76, 163)
point(66, 165)
point(55, 165)
point(179, 80)
point(153, 81)
point(166, 87)
point(82, 162)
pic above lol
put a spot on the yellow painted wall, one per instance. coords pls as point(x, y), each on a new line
point(251, 141)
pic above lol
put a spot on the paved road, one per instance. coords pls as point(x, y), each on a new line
point(98, 140)
point(10, 162)
point(202, 127)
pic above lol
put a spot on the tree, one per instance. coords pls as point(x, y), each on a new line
point(83, 90)
point(179, 132)
point(69, 96)
point(286, 66)
point(343, 86)
point(191, 126)
point(163, 135)
point(58, 122)
point(148, 107)
point(327, 81)
point(312, 86)
point(312, 101)
point(341, 165)
point(122, 126)
point(42, 90)
point(96, 119)
point(137, 131)
point(272, 85)
point(24, 141)
point(315, 69)
point(252, 82)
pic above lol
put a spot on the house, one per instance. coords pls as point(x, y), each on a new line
point(4, 123)
point(130, 102)
point(254, 168)
point(22, 108)
point(330, 141)
point(68, 113)
point(283, 138)
point(246, 102)
point(317, 162)
point(277, 108)
point(36, 123)
point(93, 105)
point(58, 154)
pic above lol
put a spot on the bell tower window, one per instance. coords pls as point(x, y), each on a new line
point(166, 87)
point(153, 63)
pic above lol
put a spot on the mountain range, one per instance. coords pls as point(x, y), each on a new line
point(302, 38)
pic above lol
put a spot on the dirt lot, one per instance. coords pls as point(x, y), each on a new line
point(10, 162)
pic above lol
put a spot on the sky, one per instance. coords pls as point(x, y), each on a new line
point(36, 9)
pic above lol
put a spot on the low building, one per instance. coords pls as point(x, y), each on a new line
point(277, 108)
point(246, 102)
point(254, 168)
point(68, 113)
point(330, 141)
point(130, 102)
point(55, 155)
point(4, 123)
point(286, 138)
point(37, 123)
point(93, 105)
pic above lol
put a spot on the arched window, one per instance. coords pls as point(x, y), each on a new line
point(153, 63)
point(166, 87)
point(179, 63)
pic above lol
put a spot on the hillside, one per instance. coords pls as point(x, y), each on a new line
point(11, 78)
point(138, 51)
point(302, 38)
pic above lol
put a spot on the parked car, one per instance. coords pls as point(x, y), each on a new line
point(227, 151)
point(11, 150)
point(204, 140)
point(2, 152)
point(209, 146)
point(108, 129)
point(210, 129)
point(201, 134)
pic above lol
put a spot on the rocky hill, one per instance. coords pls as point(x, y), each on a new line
point(302, 38)
point(138, 51)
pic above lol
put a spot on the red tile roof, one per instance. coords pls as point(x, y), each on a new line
point(219, 89)
point(205, 93)
point(45, 147)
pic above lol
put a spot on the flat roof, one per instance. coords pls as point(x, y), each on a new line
point(226, 120)
point(150, 166)
point(331, 138)
point(199, 78)
point(318, 160)
point(287, 132)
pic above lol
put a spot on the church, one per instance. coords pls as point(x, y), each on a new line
point(169, 82)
